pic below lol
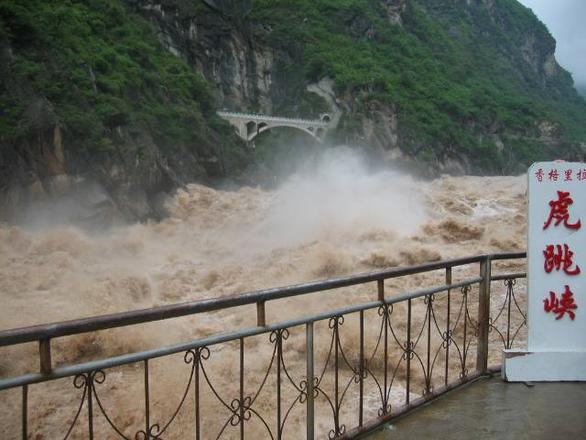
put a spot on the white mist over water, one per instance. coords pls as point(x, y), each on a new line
point(337, 196)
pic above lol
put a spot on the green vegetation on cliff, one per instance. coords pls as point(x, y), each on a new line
point(458, 73)
point(467, 81)
point(96, 69)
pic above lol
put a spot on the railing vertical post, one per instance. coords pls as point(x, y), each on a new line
point(361, 370)
point(385, 309)
point(336, 330)
point(483, 315)
point(408, 347)
point(196, 395)
point(448, 336)
point(90, 410)
point(310, 374)
point(25, 412)
point(147, 405)
point(279, 342)
point(45, 355)
point(261, 319)
point(241, 412)
point(428, 357)
point(510, 282)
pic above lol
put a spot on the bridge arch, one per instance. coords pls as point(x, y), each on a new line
point(249, 126)
point(310, 131)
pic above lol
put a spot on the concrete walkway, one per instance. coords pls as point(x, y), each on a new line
point(493, 409)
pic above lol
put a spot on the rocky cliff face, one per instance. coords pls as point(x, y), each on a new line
point(240, 47)
point(46, 171)
point(96, 121)
point(127, 182)
point(251, 74)
point(217, 40)
point(454, 86)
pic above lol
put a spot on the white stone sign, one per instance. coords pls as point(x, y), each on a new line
point(556, 272)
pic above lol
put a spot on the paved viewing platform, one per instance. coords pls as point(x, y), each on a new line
point(493, 409)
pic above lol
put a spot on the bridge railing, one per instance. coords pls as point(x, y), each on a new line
point(259, 117)
point(336, 373)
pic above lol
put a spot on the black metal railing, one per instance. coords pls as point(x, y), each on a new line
point(333, 374)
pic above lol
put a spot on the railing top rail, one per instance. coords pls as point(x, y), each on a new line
point(129, 358)
point(76, 326)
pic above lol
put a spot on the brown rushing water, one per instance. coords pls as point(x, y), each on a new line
point(339, 220)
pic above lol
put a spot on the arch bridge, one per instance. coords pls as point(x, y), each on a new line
point(250, 125)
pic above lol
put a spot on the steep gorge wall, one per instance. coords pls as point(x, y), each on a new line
point(273, 56)
point(92, 107)
point(458, 86)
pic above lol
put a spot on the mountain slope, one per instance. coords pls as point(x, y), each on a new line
point(473, 80)
point(124, 92)
point(88, 90)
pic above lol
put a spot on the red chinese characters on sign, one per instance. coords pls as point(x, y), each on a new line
point(566, 175)
point(561, 306)
point(539, 175)
point(557, 257)
point(558, 211)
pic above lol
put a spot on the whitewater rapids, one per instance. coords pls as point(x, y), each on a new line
point(337, 218)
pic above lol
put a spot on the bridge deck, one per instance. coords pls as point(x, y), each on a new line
point(274, 119)
point(492, 409)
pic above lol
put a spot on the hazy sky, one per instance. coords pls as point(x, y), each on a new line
point(565, 20)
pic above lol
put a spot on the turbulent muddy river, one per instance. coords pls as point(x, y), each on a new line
point(335, 218)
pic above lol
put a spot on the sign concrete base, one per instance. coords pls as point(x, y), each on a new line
point(543, 366)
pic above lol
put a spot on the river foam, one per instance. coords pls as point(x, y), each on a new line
point(337, 217)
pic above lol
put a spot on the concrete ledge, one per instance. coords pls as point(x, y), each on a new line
point(496, 410)
point(543, 366)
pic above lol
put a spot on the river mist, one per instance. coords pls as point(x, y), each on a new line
point(335, 216)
